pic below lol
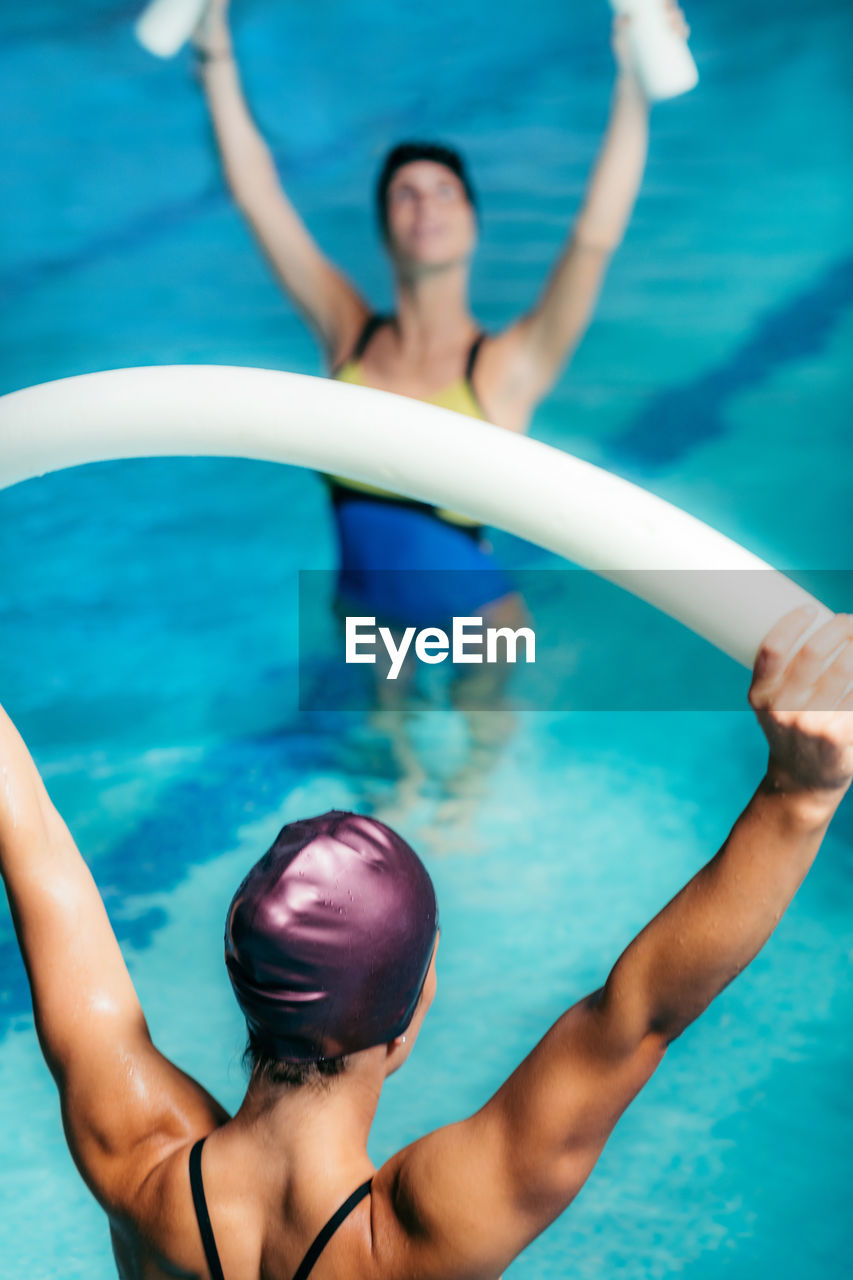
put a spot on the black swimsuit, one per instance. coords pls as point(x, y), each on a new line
point(210, 1252)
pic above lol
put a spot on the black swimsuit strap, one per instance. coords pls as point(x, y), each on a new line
point(376, 321)
point(330, 1228)
point(200, 1204)
point(203, 1217)
point(371, 324)
point(472, 356)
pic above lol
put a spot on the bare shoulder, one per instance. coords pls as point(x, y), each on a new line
point(468, 1198)
point(127, 1132)
point(500, 354)
point(439, 1206)
point(351, 315)
point(506, 378)
point(153, 1218)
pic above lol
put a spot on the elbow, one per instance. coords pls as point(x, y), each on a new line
point(666, 1031)
point(252, 187)
point(597, 237)
point(669, 1024)
point(253, 203)
point(627, 1031)
point(244, 193)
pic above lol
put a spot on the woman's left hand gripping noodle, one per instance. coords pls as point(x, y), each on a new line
point(125, 1108)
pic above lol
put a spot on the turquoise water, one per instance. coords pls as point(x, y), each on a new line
point(147, 610)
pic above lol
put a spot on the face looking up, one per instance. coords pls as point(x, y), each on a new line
point(431, 224)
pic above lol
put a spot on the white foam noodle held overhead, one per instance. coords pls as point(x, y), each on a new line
point(593, 518)
point(660, 55)
point(165, 26)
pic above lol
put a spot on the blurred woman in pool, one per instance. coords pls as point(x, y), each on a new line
point(330, 944)
point(431, 348)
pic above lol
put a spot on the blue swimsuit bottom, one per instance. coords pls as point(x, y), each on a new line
point(404, 565)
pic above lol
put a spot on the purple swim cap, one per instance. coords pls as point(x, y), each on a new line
point(329, 938)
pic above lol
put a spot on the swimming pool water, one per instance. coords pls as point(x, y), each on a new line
point(147, 609)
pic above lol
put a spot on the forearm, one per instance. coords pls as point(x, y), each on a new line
point(249, 167)
point(715, 926)
point(553, 328)
point(26, 813)
point(41, 866)
point(71, 955)
point(618, 171)
point(329, 303)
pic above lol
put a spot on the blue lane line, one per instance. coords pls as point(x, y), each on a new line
point(154, 224)
point(74, 28)
point(149, 226)
point(678, 419)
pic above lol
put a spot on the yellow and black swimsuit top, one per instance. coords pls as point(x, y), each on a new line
point(459, 396)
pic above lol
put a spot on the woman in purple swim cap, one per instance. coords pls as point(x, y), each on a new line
point(329, 939)
point(330, 944)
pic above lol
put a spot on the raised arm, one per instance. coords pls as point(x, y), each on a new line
point(527, 359)
point(496, 1180)
point(124, 1106)
point(327, 300)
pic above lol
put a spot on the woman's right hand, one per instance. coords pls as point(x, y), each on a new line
point(620, 37)
point(212, 36)
point(802, 694)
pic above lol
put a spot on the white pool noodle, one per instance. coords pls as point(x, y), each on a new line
point(573, 508)
point(166, 25)
point(661, 58)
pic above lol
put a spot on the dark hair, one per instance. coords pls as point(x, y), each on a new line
point(407, 153)
point(266, 1069)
